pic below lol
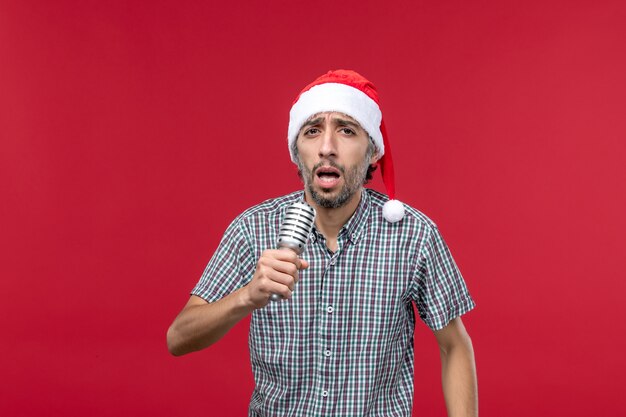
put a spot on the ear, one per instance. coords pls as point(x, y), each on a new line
point(375, 158)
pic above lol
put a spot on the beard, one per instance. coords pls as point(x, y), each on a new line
point(353, 180)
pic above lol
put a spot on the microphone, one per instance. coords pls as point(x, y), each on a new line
point(294, 231)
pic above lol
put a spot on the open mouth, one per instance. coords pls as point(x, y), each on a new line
point(327, 175)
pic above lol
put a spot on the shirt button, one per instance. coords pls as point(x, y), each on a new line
point(333, 262)
point(329, 309)
point(324, 393)
point(327, 353)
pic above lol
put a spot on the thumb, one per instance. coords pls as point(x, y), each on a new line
point(303, 264)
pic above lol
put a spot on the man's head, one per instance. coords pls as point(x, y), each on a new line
point(336, 135)
point(341, 91)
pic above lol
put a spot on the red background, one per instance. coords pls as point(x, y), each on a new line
point(132, 133)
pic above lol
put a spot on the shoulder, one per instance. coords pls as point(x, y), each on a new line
point(260, 219)
point(268, 209)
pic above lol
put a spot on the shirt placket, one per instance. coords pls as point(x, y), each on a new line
point(327, 328)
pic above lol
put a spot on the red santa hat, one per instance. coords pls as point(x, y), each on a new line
point(348, 92)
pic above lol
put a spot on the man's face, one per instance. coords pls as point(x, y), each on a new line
point(334, 153)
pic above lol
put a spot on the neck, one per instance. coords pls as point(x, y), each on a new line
point(329, 221)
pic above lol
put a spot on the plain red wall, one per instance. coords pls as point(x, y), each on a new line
point(132, 133)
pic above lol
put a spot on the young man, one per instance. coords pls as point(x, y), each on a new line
point(340, 343)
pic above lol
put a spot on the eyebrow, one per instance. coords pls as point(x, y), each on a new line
point(312, 122)
point(338, 120)
point(346, 122)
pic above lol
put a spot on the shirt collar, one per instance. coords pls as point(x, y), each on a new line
point(357, 224)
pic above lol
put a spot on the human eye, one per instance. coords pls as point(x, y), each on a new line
point(311, 131)
point(347, 131)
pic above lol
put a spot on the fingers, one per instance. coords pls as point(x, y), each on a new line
point(282, 267)
point(285, 256)
point(276, 273)
point(271, 271)
point(281, 272)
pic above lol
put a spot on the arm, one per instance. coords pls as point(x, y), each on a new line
point(200, 324)
point(458, 370)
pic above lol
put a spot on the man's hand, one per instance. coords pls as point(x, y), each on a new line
point(276, 273)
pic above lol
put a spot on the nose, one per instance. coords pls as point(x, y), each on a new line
point(328, 144)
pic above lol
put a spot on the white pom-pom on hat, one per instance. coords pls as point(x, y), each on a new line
point(393, 211)
point(350, 93)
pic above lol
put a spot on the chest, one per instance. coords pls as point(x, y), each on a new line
point(361, 288)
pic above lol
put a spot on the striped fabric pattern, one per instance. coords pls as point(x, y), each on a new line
point(343, 344)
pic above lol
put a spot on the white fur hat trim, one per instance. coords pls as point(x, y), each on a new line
point(340, 98)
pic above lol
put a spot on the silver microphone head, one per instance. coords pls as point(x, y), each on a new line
point(295, 230)
point(296, 227)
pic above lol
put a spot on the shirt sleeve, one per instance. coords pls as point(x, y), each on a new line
point(439, 292)
point(231, 266)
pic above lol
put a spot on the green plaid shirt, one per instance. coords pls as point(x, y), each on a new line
point(343, 344)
